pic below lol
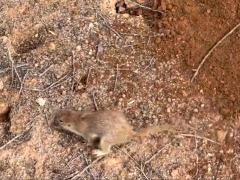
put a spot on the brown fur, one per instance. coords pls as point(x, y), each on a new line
point(108, 127)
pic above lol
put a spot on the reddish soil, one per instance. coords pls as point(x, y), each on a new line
point(66, 51)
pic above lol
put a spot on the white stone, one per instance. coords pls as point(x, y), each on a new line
point(41, 101)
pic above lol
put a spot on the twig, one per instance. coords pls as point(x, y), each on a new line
point(145, 7)
point(12, 66)
point(88, 75)
point(199, 137)
point(126, 154)
point(212, 49)
point(234, 158)
point(107, 24)
point(196, 151)
point(12, 140)
point(157, 153)
point(73, 70)
point(14, 69)
point(88, 171)
point(220, 161)
point(99, 50)
point(78, 174)
point(22, 83)
point(61, 80)
point(94, 101)
point(17, 66)
point(116, 78)
point(150, 64)
point(46, 70)
point(29, 127)
point(109, 69)
point(135, 162)
point(148, 42)
point(53, 85)
point(46, 118)
point(77, 155)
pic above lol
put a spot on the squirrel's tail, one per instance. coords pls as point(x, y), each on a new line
point(153, 130)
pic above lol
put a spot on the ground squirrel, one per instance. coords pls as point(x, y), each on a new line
point(101, 129)
point(136, 8)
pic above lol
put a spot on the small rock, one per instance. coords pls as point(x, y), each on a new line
point(90, 52)
point(64, 92)
point(196, 110)
point(78, 48)
point(158, 40)
point(52, 46)
point(125, 16)
point(168, 110)
point(41, 101)
point(221, 135)
point(230, 151)
point(100, 49)
point(90, 26)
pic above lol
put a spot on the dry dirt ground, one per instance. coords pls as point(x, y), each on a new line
point(59, 53)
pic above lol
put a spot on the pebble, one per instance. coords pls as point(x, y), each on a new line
point(168, 110)
point(52, 46)
point(78, 48)
point(90, 26)
point(158, 40)
point(90, 52)
point(196, 110)
point(100, 49)
point(64, 93)
point(41, 101)
point(221, 135)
